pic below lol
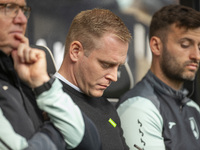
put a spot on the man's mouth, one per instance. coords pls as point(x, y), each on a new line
point(193, 66)
point(16, 32)
point(103, 87)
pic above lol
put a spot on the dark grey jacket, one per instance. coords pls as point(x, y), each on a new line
point(18, 108)
point(161, 117)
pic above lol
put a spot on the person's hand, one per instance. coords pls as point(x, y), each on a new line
point(30, 63)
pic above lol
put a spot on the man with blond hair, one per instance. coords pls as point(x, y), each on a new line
point(96, 46)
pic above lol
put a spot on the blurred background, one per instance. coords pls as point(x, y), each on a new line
point(50, 20)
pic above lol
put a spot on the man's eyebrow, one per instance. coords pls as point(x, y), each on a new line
point(112, 63)
point(186, 39)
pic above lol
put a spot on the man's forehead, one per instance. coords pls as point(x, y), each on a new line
point(183, 34)
point(20, 2)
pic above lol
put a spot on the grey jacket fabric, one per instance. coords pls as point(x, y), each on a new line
point(161, 118)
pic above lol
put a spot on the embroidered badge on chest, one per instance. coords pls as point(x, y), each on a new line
point(5, 87)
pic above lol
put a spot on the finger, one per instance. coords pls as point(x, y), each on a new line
point(20, 52)
point(22, 38)
point(26, 52)
point(33, 55)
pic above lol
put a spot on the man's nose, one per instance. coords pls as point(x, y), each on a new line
point(112, 74)
point(195, 53)
point(20, 17)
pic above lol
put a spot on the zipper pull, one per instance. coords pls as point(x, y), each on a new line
point(181, 108)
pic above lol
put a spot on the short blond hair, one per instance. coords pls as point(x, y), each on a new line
point(89, 25)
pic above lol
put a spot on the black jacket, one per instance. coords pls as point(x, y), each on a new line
point(21, 112)
point(17, 102)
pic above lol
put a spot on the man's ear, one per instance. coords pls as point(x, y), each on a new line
point(156, 45)
point(76, 50)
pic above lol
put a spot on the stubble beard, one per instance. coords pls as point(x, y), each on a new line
point(173, 69)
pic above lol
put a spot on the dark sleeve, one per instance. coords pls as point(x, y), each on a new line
point(47, 138)
point(91, 139)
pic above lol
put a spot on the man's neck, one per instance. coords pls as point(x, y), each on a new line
point(59, 76)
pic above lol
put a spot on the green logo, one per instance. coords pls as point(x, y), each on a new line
point(112, 122)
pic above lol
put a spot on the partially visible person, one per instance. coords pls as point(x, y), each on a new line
point(157, 114)
point(21, 123)
point(96, 46)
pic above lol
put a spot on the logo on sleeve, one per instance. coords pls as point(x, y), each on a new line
point(194, 127)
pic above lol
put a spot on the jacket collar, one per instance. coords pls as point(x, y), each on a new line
point(7, 71)
point(179, 95)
